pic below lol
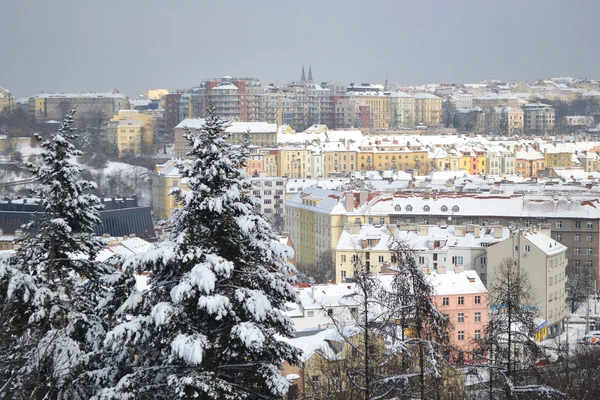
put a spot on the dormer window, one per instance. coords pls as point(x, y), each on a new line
point(444, 208)
point(455, 209)
point(409, 208)
point(426, 208)
point(397, 207)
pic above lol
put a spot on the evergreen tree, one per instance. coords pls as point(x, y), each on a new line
point(208, 325)
point(504, 128)
point(48, 327)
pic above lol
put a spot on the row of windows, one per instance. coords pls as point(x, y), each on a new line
point(461, 317)
point(577, 224)
point(461, 334)
point(460, 300)
point(426, 207)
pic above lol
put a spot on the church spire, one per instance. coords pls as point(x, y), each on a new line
point(303, 76)
point(310, 78)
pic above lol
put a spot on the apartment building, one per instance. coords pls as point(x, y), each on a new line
point(314, 219)
point(171, 112)
point(428, 109)
point(544, 260)
point(132, 132)
point(235, 99)
point(436, 248)
point(539, 118)
point(402, 110)
point(93, 108)
point(529, 162)
point(270, 195)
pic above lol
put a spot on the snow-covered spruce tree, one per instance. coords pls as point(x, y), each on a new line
point(208, 325)
point(48, 327)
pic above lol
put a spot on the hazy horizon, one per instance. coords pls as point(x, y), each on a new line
point(134, 46)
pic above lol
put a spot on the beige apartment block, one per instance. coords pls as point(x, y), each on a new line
point(428, 109)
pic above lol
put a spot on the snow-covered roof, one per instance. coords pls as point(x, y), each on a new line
point(325, 201)
point(112, 95)
point(545, 243)
point(234, 127)
point(466, 282)
point(426, 96)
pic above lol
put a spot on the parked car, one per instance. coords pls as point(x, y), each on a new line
point(591, 338)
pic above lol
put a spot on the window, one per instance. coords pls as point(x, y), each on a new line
point(577, 224)
point(577, 263)
point(527, 248)
point(458, 260)
point(267, 201)
point(461, 335)
point(577, 237)
point(397, 207)
point(254, 192)
point(590, 225)
point(559, 224)
point(343, 258)
point(382, 221)
point(461, 318)
point(455, 209)
point(477, 334)
point(409, 208)
point(588, 263)
point(516, 248)
point(315, 379)
point(589, 251)
point(355, 258)
point(310, 314)
point(478, 317)
point(483, 260)
point(446, 301)
point(558, 237)
point(381, 259)
point(444, 208)
point(461, 300)
point(477, 299)
point(484, 222)
point(589, 238)
point(343, 274)
point(426, 207)
point(577, 250)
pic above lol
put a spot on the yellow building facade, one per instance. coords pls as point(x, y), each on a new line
point(164, 180)
point(380, 109)
point(428, 109)
point(131, 131)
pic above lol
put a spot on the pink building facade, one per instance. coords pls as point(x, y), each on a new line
point(461, 296)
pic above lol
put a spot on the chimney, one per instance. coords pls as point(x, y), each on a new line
point(106, 236)
point(18, 232)
point(364, 195)
point(1, 232)
point(441, 270)
point(459, 269)
point(497, 232)
point(422, 230)
point(427, 271)
point(132, 236)
point(477, 231)
point(545, 229)
point(460, 230)
point(349, 201)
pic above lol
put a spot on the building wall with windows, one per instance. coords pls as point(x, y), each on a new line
point(544, 261)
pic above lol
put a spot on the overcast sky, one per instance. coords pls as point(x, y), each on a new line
point(131, 46)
